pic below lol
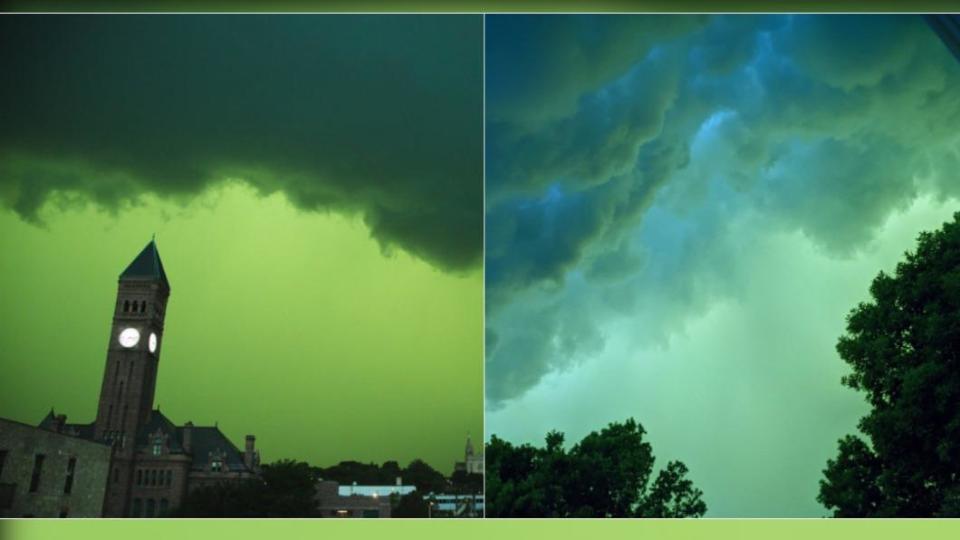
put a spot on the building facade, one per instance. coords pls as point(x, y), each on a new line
point(353, 501)
point(46, 474)
point(152, 463)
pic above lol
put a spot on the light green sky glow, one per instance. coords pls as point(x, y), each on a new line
point(289, 325)
point(747, 393)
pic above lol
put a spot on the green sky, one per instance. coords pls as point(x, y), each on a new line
point(315, 184)
point(288, 325)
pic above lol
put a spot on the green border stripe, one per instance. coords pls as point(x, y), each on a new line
point(819, 529)
point(482, 6)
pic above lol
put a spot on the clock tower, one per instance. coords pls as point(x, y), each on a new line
point(130, 374)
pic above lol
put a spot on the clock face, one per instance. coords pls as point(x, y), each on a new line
point(129, 337)
point(152, 343)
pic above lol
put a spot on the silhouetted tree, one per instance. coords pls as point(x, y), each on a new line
point(426, 478)
point(411, 505)
point(604, 475)
point(285, 489)
point(672, 495)
point(348, 472)
point(463, 482)
point(904, 348)
point(417, 473)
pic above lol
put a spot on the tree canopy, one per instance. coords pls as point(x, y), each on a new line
point(285, 489)
point(418, 473)
point(904, 350)
point(604, 475)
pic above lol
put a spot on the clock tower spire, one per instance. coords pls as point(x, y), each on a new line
point(133, 353)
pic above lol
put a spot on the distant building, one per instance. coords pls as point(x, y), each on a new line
point(455, 505)
point(152, 462)
point(48, 474)
point(353, 501)
point(376, 491)
point(472, 462)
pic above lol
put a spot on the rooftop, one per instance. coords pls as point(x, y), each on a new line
point(147, 266)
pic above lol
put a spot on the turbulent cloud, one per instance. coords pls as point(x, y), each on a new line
point(631, 180)
point(374, 115)
point(528, 87)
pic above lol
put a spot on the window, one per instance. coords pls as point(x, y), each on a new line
point(164, 505)
point(6, 495)
point(126, 306)
point(143, 306)
point(169, 478)
point(68, 483)
point(137, 508)
point(139, 477)
point(153, 477)
point(157, 448)
point(3, 458)
point(216, 465)
point(37, 469)
point(151, 507)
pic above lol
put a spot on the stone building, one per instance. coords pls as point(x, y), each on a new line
point(153, 463)
point(47, 474)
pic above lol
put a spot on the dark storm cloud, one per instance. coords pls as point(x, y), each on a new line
point(818, 124)
point(539, 67)
point(375, 115)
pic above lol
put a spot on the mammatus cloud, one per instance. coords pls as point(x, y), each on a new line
point(621, 202)
point(374, 115)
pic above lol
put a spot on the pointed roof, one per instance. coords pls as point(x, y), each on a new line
point(48, 420)
point(147, 265)
point(203, 441)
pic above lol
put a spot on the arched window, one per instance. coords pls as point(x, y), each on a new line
point(143, 306)
point(151, 507)
point(164, 504)
point(126, 306)
point(137, 508)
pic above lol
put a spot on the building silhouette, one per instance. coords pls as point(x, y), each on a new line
point(472, 461)
point(153, 463)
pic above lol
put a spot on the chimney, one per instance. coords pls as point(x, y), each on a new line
point(249, 453)
point(58, 422)
point(399, 481)
point(187, 436)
